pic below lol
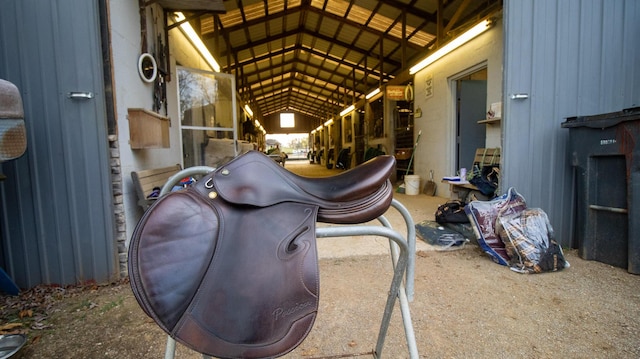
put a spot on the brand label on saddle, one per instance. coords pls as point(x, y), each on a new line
point(281, 312)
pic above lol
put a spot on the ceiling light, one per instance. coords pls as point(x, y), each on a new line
point(457, 42)
point(347, 110)
point(328, 123)
point(248, 109)
point(197, 42)
point(372, 93)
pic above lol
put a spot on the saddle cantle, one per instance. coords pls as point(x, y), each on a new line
point(229, 268)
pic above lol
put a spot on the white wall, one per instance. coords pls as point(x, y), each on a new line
point(131, 92)
point(436, 150)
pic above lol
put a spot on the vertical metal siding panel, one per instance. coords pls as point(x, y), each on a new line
point(7, 25)
point(631, 53)
point(80, 137)
point(533, 169)
point(54, 227)
point(517, 79)
point(62, 228)
point(542, 102)
point(84, 137)
point(20, 217)
point(72, 137)
point(567, 77)
point(545, 154)
point(590, 54)
point(581, 64)
point(15, 194)
point(612, 29)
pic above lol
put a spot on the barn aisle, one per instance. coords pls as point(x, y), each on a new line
point(421, 207)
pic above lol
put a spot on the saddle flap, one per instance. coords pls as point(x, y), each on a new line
point(259, 297)
point(227, 280)
point(169, 253)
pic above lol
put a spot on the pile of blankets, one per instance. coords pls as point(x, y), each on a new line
point(514, 235)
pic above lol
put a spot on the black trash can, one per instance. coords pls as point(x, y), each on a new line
point(605, 154)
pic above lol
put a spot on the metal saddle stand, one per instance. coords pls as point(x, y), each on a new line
point(402, 256)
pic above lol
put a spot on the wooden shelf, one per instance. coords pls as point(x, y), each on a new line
point(147, 129)
point(490, 121)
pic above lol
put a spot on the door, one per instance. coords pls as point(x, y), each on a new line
point(57, 216)
point(472, 100)
point(208, 121)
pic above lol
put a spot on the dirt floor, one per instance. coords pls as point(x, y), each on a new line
point(465, 306)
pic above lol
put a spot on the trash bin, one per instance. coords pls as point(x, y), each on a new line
point(605, 154)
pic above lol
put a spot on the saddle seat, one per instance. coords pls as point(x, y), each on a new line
point(355, 196)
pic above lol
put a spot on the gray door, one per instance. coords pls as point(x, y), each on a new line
point(57, 222)
point(472, 103)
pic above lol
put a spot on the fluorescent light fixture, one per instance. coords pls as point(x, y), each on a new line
point(328, 122)
point(319, 128)
point(454, 44)
point(197, 42)
point(347, 110)
point(248, 109)
point(372, 93)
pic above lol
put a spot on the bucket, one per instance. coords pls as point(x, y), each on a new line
point(412, 184)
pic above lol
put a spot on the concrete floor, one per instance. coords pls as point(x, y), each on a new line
point(420, 206)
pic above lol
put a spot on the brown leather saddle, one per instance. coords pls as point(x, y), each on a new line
point(228, 266)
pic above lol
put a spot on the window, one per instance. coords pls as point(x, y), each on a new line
point(287, 120)
point(207, 116)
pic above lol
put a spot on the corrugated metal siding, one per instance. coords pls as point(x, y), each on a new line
point(572, 58)
point(57, 217)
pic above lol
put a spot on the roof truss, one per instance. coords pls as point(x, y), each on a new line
point(316, 57)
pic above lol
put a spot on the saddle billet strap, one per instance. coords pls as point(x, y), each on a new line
point(227, 280)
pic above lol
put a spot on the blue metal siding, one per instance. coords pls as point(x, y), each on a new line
point(572, 58)
point(57, 214)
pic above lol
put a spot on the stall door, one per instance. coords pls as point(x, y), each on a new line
point(472, 103)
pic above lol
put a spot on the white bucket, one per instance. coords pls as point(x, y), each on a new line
point(411, 184)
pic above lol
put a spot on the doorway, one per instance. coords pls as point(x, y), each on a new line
point(471, 107)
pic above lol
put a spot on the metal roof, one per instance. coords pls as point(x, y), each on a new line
point(316, 57)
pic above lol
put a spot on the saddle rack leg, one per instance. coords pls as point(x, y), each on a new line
point(402, 262)
point(404, 295)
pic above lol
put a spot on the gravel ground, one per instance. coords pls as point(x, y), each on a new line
point(465, 306)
